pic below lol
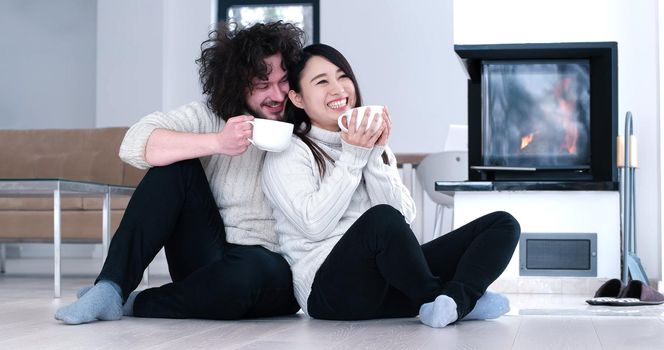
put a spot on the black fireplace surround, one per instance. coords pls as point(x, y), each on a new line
point(542, 116)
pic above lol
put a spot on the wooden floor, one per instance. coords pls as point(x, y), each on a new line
point(535, 322)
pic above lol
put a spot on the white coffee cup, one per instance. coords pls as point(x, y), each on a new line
point(271, 135)
point(374, 111)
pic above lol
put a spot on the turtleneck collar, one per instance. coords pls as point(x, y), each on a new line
point(332, 138)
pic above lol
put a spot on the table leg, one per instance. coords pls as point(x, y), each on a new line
point(3, 257)
point(57, 240)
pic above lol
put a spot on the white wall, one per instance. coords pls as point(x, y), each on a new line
point(146, 59)
point(633, 24)
point(660, 38)
point(129, 61)
point(47, 68)
point(402, 53)
point(660, 33)
point(186, 24)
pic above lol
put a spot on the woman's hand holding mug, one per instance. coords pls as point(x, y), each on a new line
point(387, 128)
point(362, 130)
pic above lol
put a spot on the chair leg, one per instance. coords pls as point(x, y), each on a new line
point(438, 222)
point(146, 276)
point(3, 258)
point(451, 218)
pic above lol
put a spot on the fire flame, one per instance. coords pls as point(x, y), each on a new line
point(571, 129)
point(566, 105)
point(526, 140)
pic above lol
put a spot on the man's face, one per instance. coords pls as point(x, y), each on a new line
point(267, 98)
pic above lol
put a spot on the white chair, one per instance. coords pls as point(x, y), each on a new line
point(442, 166)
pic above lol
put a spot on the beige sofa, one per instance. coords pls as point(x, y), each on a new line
point(73, 154)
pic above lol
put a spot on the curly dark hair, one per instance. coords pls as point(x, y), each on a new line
point(233, 56)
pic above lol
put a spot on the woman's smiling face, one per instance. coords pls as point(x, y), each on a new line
point(325, 92)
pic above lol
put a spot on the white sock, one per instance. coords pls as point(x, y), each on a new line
point(490, 305)
point(439, 313)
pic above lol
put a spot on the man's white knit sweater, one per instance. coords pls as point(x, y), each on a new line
point(235, 181)
point(313, 212)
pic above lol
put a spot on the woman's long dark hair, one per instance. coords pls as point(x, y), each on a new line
point(298, 116)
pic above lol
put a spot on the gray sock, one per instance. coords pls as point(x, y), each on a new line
point(439, 313)
point(81, 292)
point(490, 305)
point(128, 307)
point(101, 302)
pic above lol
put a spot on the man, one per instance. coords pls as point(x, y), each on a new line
point(201, 199)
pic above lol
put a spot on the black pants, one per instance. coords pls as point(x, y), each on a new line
point(379, 270)
point(173, 207)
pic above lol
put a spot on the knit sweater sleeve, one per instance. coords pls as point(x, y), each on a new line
point(292, 183)
point(194, 117)
point(384, 184)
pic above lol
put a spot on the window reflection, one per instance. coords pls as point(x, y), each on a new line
point(301, 16)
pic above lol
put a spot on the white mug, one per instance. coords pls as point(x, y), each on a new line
point(373, 111)
point(271, 135)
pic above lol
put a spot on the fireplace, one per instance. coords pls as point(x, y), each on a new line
point(542, 113)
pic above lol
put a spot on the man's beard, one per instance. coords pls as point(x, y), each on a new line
point(257, 114)
point(260, 114)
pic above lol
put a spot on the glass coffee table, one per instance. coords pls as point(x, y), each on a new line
point(57, 189)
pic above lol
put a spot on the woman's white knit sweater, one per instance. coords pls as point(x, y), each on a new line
point(235, 181)
point(313, 212)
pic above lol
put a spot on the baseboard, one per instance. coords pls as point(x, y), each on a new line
point(548, 285)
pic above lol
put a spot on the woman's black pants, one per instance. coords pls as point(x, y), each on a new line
point(173, 207)
point(379, 270)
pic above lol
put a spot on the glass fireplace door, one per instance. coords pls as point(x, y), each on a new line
point(536, 114)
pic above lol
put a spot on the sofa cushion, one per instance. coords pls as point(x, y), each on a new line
point(66, 203)
point(27, 203)
point(76, 154)
point(37, 226)
point(117, 203)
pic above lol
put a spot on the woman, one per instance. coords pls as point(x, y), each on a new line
point(343, 215)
